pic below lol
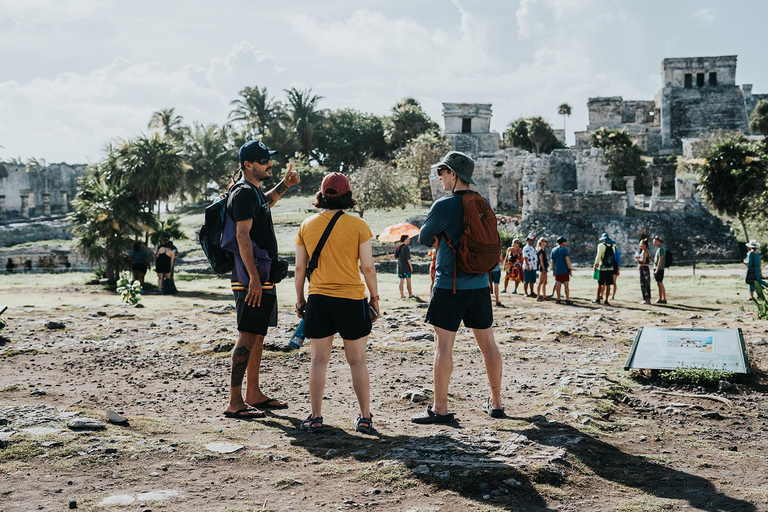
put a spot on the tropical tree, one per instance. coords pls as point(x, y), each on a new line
point(304, 116)
point(760, 118)
point(107, 217)
point(170, 227)
point(168, 122)
point(254, 109)
point(377, 184)
point(346, 138)
point(407, 121)
point(209, 159)
point(154, 168)
point(564, 110)
point(532, 134)
point(734, 179)
point(621, 155)
point(418, 155)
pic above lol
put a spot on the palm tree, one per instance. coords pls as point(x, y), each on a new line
point(153, 167)
point(207, 155)
point(167, 121)
point(304, 116)
point(255, 109)
point(564, 110)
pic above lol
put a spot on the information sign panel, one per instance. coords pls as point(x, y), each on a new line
point(657, 348)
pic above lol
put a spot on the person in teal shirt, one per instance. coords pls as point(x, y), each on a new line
point(754, 273)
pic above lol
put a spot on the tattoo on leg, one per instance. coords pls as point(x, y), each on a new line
point(239, 363)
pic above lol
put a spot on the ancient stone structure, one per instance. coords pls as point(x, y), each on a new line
point(698, 95)
point(568, 192)
point(468, 127)
point(41, 258)
point(36, 192)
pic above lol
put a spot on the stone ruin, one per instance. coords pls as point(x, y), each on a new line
point(38, 192)
point(568, 193)
point(698, 95)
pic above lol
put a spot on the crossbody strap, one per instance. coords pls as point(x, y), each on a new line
point(314, 260)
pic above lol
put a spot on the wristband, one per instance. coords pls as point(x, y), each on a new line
point(374, 298)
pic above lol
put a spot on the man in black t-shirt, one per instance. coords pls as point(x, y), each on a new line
point(256, 302)
point(404, 266)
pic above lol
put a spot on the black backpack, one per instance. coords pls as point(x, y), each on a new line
point(211, 233)
point(609, 258)
point(668, 259)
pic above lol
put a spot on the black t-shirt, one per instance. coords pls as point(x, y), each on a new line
point(249, 202)
point(403, 254)
point(543, 255)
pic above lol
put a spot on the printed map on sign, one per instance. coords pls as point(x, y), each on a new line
point(656, 348)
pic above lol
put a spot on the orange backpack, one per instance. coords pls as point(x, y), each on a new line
point(479, 245)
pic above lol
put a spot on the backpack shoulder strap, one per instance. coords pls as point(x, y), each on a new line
point(314, 260)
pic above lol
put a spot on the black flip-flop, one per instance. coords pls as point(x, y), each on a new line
point(246, 413)
point(265, 404)
point(493, 413)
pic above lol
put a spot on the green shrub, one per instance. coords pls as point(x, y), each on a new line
point(761, 301)
point(696, 376)
point(130, 292)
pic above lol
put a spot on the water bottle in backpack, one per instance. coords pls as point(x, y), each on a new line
point(297, 340)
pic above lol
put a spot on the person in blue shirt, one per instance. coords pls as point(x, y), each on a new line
point(561, 268)
point(471, 302)
point(754, 268)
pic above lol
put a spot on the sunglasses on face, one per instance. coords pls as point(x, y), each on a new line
point(261, 162)
point(441, 170)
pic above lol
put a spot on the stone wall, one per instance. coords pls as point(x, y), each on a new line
point(24, 232)
point(60, 180)
point(41, 258)
point(548, 201)
point(700, 110)
point(698, 235)
point(474, 144)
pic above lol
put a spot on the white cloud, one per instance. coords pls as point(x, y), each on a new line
point(704, 16)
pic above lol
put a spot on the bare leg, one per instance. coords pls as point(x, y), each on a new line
point(401, 288)
point(567, 291)
point(496, 292)
point(321, 355)
point(615, 278)
point(253, 394)
point(662, 292)
point(557, 289)
point(492, 360)
point(241, 355)
point(355, 352)
point(443, 367)
point(410, 288)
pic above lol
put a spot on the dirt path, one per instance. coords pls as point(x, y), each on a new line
point(581, 435)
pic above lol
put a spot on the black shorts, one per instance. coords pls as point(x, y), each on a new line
point(447, 310)
point(256, 320)
point(139, 267)
point(326, 316)
point(606, 277)
point(659, 276)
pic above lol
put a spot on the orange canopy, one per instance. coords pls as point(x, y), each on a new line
point(394, 232)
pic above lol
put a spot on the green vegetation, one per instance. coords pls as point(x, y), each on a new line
point(621, 155)
point(379, 185)
point(130, 292)
point(286, 483)
point(696, 376)
point(760, 118)
point(761, 301)
point(533, 134)
point(418, 155)
point(564, 110)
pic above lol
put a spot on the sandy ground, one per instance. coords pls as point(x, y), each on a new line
point(582, 434)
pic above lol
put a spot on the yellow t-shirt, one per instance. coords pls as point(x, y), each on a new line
point(338, 270)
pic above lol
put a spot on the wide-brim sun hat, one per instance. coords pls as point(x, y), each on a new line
point(460, 164)
point(604, 237)
point(753, 244)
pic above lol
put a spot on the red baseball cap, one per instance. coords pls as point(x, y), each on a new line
point(334, 184)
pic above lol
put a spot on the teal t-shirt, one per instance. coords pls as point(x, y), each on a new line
point(661, 252)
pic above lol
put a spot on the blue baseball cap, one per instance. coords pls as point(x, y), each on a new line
point(253, 151)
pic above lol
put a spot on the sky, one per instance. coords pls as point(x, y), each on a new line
point(78, 74)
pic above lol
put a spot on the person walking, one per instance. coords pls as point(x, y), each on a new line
point(562, 270)
point(659, 260)
point(643, 258)
point(255, 302)
point(604, 264)
point(754, 268)
point(471, 301)
point(140, 260)
point(513, 268)
point(164, 258)
point(616, 269)
point(530, 266)
point(404, 266)
point(543, 261)
point(337, 303)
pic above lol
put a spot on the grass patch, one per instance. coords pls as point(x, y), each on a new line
point(10, 387)
point(12, 352)
point(695, 376)
point(20, 448)
point(645, 505)
point(396, 476)
point(286, 483)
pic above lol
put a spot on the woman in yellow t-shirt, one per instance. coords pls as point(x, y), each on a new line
point(337, 301)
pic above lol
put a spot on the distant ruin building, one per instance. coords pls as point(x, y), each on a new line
point(36, 192)
point(568, 193)
point(698, 95)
